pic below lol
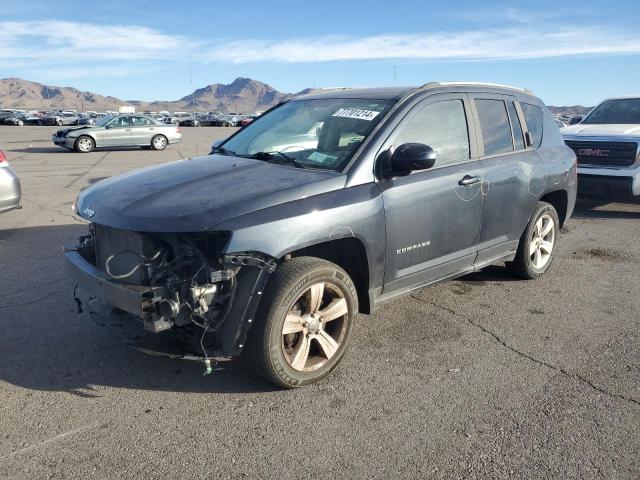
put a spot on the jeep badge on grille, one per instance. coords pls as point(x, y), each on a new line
point(87, 212)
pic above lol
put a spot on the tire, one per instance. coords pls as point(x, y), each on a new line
point(159, 142)
point(280, 358)
point(84, 144)
point(20, 123)
point(59, 123)
point(537, 247)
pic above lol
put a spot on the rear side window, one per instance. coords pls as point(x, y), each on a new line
point(533, 117)
point(518, 138)
point(140, 122)
point(494, 125)
point(442, 126)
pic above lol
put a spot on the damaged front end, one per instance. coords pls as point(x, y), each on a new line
point(174, 281)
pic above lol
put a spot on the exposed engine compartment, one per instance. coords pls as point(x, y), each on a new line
point(182, 279)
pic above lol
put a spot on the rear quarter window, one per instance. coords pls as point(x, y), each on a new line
point(533, 117)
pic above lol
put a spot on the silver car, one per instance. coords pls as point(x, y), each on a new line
point(10, 192)
point(119, 131)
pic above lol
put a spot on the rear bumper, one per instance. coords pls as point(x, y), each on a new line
point(609, 182)
point(134, 299)
point(175, 138)
point(10, 190)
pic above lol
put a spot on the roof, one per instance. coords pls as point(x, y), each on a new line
point(378, 93)
point(396, 93)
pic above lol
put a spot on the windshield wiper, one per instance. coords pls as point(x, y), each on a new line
point(270, 156)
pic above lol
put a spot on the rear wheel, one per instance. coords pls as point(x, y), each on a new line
point(538, 243)
point(159, 142)
point(85, 144)
point(304, 322)
point(20, 123)
point(59, 123)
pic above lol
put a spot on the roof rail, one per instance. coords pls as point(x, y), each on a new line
point(475, 84)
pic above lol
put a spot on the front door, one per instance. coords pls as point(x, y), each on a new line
point(433, 217)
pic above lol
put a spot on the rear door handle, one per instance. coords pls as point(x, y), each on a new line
point(468, 180)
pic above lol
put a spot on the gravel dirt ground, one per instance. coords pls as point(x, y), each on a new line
point(483, 377)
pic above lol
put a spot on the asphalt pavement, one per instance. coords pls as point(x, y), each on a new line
point(483, 377)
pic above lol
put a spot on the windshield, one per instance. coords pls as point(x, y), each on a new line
point(310, 133)
point(103, 121)
point(624, 110)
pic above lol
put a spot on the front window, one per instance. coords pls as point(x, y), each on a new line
point(309, 133)
point(621, 111)
point(119, 122)
point(103, 121)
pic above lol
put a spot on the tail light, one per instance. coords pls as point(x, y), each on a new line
point(3, 157)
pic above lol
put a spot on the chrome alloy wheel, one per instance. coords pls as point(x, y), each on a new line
point(85, 145)
point(542, 241)
point(314, 327)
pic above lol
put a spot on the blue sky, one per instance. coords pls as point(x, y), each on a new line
point(571, 52)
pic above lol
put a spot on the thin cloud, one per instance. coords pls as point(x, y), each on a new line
point(493, 44)
point(53, 41)
point(69, 49)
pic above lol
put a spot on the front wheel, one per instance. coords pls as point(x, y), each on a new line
point(537, 245)
point(304, 322)
point(20, 123)
point(159, 142)
point(85, 144)
point(59, 123)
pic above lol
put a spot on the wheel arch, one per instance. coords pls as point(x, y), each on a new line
point(348, 253)
point(560, 201)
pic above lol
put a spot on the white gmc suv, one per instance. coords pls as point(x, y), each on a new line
point(606, 144)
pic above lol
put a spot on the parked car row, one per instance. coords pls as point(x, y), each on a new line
point(70, 117)
point(211, 240)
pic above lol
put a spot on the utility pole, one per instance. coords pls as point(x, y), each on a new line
point(46, 84)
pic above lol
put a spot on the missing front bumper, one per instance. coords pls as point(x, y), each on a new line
point(134, 299)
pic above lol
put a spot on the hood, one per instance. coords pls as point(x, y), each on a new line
point(601, 130)
point(195, 195)
point(66, 131)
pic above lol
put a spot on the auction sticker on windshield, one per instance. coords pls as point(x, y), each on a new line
point(356, 113)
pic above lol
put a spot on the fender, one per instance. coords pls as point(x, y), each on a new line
point(350, 212)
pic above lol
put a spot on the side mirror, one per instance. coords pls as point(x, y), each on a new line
point(411, 156)
point(108, 126)
point(575, 120)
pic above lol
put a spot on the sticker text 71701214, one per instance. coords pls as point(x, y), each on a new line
point(356, 113)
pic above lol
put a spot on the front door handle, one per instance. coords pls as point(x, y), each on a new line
point(468, 180)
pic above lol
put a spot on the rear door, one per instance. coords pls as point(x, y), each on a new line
point(514, 174)
point(433, 217)
point(142, 129)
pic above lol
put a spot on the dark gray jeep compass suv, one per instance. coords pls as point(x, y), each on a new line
point(328, 205)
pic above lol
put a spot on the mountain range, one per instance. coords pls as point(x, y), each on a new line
point(243, 95)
